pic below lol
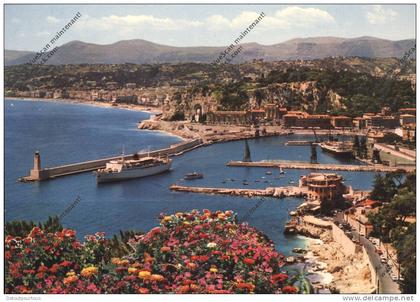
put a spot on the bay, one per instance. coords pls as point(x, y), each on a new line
point(66, 133)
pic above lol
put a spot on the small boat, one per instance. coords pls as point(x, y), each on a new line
point(281, 171)
point(292, 182)
point(268, 172)
point(194, 175)
point(245, 183)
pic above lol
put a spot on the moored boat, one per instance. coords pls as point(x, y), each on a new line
point(194, 175)
point(338, 148)
point(121, 169)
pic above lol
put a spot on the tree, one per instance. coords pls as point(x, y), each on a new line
point(391, 225)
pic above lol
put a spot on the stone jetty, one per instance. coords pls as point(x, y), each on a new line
point(309, 166)
point(278, 192)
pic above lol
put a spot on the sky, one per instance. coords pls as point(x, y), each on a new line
point(31, 27)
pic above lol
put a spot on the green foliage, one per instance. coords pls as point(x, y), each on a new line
point(384, 188)
point(391, 225)
point(301, 281)
point(21, 228)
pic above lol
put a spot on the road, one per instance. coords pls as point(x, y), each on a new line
point(386, 284)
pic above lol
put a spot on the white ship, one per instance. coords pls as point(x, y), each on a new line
point(122, 169)
point(338, 148)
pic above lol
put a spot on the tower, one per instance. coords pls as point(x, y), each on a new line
point(37, 161)
point(37, 173)
point(314, 157)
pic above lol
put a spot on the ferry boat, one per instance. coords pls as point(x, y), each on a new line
point(338, 148)
point(122, 169)
point(194, 175)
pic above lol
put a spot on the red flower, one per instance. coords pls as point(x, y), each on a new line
point(288, 289)
point(65, 263)
point(8, 255)
point(69, 233)
point(8, 239)
point(54, 268)
point(249, 261)
point(278, 278)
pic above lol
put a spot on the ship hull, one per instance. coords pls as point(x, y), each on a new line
point(102, 177)
point(338, 153)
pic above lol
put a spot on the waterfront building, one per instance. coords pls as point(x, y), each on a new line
point(328, 188)
point(409, 132)
point(408, 111)
point(305, 120)
point(357, 216)
point(341, 121)
point(381, 121)
point(359, 122)
point(406, 119)
point(229, 117)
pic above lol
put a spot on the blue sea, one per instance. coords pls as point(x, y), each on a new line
point(65, 133)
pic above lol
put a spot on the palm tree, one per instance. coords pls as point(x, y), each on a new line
point(301, 281)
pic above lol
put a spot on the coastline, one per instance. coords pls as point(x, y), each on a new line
point(331, 266)
point(142, 108)
point(138, 108)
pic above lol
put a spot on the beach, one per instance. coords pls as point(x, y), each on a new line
point(149, 109)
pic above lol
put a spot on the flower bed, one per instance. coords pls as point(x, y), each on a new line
point(194, 252)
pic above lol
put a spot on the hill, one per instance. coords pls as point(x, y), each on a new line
point(145, 52)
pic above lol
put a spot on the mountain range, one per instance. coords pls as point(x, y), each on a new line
point(145, 52)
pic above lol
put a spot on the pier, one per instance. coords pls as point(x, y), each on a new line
point(278, 192)
point(39, 174)
point(313, 166)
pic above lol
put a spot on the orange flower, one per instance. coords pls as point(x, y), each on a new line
point(132, 270)
point(156, 277)
point(89, 271)
point(70, 279)
point(144, 274)
point(288, 289)
point(243, 285)
point(165, 249)
point(143, 290)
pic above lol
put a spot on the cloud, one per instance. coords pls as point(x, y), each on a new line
point(135, 22)
point(380, 15)
point(299, 16)
point(289, 17)
point(52, 20)
point(282, 19)
point(43, 34)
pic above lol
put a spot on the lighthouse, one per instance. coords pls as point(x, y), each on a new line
point(37, 173)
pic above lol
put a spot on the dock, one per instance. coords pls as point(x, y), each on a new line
point(308, 166)
point(278, 192)
point(39, 174)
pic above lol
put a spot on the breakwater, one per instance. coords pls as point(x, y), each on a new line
point(308, 166)
point(38, 174)
point(278, 192)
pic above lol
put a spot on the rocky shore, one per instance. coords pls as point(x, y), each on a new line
point(350, 273)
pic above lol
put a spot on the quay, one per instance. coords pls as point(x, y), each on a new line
point(309, 166)
point(278, 192)
point(39, 174)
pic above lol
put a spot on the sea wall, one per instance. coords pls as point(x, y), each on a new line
point(349, 247)
point(75, 168)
